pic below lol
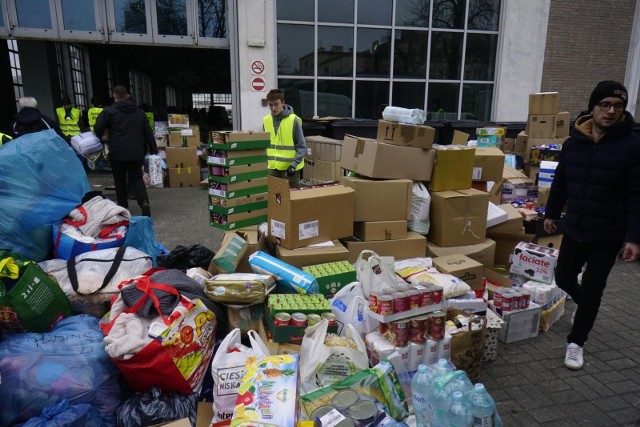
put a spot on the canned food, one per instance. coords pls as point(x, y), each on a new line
point(319, 412)
point(363, 412)
point(398, 334)
point(299, 319)
point(331, 318)
point(497, 298)
point(515, 300)
point(414, 296)
point(525, 299)
point(507, 297)
point(400, 302)
point(373, 301)
point(418, 329)
point(436, 325)
point(436, 294)
point(344, 399)
point(383, 328)
point(282, 319)
point(313, 319)
point(385, 305)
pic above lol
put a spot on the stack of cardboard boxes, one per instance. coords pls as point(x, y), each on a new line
point(322, 162)
point(183, 165)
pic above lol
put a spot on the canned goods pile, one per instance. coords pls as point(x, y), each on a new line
point(414, 329)
point(347, 409)
point(300, 310)
point(510, 299)
point(404, 298)
point(329, 268)
point(332, 276)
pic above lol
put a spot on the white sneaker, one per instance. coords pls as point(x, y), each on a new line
point(573, 359)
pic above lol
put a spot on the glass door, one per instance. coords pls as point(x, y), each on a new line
point(33, 18)
point(80, 19)
point(129, 21)
point(173, 22)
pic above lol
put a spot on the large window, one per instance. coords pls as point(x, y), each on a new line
point(354, 57)
point(16, 73)
point(140, 87)
point(77, 77)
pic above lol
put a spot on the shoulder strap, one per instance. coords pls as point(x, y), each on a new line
point(73, 276)
point(45, 123)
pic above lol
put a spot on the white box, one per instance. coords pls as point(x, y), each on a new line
point(534, 261)
point(519, 324)
point(546, 173)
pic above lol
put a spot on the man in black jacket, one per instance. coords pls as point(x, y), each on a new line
point(29, 119)
point(598, 180)
point(130, 138)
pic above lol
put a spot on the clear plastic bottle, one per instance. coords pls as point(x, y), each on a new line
point(420, 385)
point(413, 116)
point(483, 407)
point(459, 412)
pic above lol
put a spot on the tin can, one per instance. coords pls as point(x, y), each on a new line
point(398, 334)
point(425, 295)
point(436, 294)
point(400, 302)
point(505, 301)
point(373, 301)
point(436, 325)
point(525, 299)
point(385, 305)
point(515, 299)
point(313, 319)
point(319, 412)
point(282, 319)
point(414, 296)
point(299, 319)
point(383, 328)
point(363, 412)
point(344, 399)
point(418, 329)
point(497, 298)
point(331, 318)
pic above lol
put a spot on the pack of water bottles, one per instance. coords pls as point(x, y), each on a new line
point(443, 396)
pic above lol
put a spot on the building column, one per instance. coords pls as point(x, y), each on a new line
point(632, 73)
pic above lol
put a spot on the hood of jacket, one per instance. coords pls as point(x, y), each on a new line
point(28, 115)
point(126, 106)
point(584, 125)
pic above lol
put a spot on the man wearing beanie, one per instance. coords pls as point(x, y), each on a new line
point(598, 182)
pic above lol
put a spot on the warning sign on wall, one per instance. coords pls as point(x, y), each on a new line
point(258, 84)
point(257, 67)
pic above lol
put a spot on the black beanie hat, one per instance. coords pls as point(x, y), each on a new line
point(605, 89)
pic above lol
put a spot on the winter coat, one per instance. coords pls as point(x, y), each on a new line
point(130, 135)
point(599, 182)
point(30, 120)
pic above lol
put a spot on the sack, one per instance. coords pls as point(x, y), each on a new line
point(178, 358)
point(420, 204)
point(65, 415)
point(322, 365)
point(65, 246)
point(375, 273)
point(467, 347)
point(29, 299)
point(153, 407)
point(227, 369)
point(86, 143)
point(91, 280)
point(140, 235)
point(350, 308)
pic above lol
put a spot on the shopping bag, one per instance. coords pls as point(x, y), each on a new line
point(375, 273)
point(140, 235)
point(227, 369)
point(420, 204)
point(350, 308)
point(467, 347)
point(65, 246)
point(322, 365)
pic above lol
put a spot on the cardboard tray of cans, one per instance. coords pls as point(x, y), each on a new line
point(288, 333)
point(332, 276)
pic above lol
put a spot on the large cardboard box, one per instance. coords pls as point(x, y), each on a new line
point(182, 157)
point(453, 168)
point(541, 126)
point(380, 200)
point(537, 142)
point(305, 216)
point(519, 324)
point(513, 224)
point(238, 189)
point(185, 137)
point(544, 103)
point(406, 134)
point(380, 230)
point(314, 254)
point(379, 160)
point(462, 267)
point(506, 243)
point(184, 177)
point(458, 217)
point(482, 252)
point(413, 246)
point(323, 148)
point(321, 171)
point(515, 185)
point(488, 164)
point(178, 120)
point(255, 242)
point(232, 249)
point(236, 157)
point(563, 123)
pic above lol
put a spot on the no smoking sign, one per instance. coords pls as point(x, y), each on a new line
point(257, 67)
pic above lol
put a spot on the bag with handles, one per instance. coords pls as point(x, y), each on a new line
point(350, 307)
point(375, 273)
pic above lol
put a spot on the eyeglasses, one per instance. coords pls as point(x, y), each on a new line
point(604, 106)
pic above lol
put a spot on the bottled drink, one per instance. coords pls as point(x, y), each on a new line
point(419, 389)
point(483, 407)
point(459, 412)
point(404, 115)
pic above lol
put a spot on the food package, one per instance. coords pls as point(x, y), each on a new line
point(289, 278)
point(239, 288)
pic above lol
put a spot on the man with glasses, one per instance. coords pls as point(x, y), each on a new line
point(598, 181)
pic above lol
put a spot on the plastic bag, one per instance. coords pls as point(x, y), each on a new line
point(186, 257)
point(350, 308)
point(420, 204)
point(140, 235)
point(420, 270)
point(153, 171)
point(65, 415)
point(375, 273)
point(154, 407)
point(41, 181)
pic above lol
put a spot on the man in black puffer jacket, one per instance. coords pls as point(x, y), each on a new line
point(29, 119)
point(130, 138)
point(598, 180)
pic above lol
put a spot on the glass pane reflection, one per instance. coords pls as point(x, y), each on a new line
point(78, 15)
point(298, 94)
point(172, 17)
point(335, 51)
point(334, 98)
point(335, 11)
point(371, 98)
point(212, 19)
point(295, 10)
point(374, 52)
point(131, 16)
point(295, 49)
point(412, 13)
point(374, 12)
point(33, 14)
point(449, 13)
point(410, 56)
point(484, 15)
point(442, 102)
point(446, 55)
point(408, 94)
point(476, 101)
point(480, 59)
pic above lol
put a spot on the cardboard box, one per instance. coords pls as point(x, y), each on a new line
point(487, 141)
point(495, 215)
point(232, 249)
point(458, 217)
point(178, 120)
point(239, 201)
point(332, 276)
point(509, 145)
point(238, 189)
point(185, 137)
point(255, 242)
point(236, 157)
point(462, 267)
point(488, 164)
point(534, 261)
point(305, 216)
point(539, 155)
point(515, 185)
point(482, 252)
point(321, 171)
point(237, 220)
point(506, 243)
point(413, 246)
point(230, 174)
point(563, 124)
point(182, 157)
point(380, 230)
point(323, 148)
point(547, 173)
point(543, 196)
point(314, 254)
point(538, 142)
point(245, 318)
point(541, 126)
point(184, 177)
point(204, 414)
point(383, 200)
point(379, 160)
point(453, 168)
point(405, 134)
point(239, 140)
point(513, 224)
point(286, 333)
point(519, 325)
point(549, 241)
point(544, 103)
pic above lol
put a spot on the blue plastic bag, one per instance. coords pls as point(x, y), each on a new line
point(65, 415)
point(140, 235)
point(41, 181)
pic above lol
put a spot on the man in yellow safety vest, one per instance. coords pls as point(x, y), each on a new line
point(94, 112)
point(69, 119)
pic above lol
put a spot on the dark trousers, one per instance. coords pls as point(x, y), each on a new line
point(128, 174)
point(600, 258)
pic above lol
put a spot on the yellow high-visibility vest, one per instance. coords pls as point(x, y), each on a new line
point(92, 116)
point(3, 136)
point(282, 150)
point(69, 127)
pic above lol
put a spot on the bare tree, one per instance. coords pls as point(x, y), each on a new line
point(212, 18)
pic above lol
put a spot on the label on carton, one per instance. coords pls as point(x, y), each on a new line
point(307, 230)
point(331, 418)
point(277, 229)
point(477, 173)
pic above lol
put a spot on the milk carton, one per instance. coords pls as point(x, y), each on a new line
point(534, 261)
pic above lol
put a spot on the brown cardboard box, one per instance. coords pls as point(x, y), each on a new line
point(482, 252)
point(458, 217)
point(413, 246)
point(534, 142)
point(204, 414)
point(379, 160)
point(182, 157)
point(305, 216)
point(541, 126)
point(232, 250)
point(237, 137)
point(185, 137)
point(380, 230)
point(515, 184)
point(311, 255)
point(550, 241)
point(321, 171)
point(323, 148)
point(462, 267)
point(520, 146)
point(509, 145)
point(405, 134)
point(380, 200)
point(543, 196)
point(563, 123)
point(178, 120)
point(506, 243)
point(488, 164)
point(255, 242)
point(513, 224)
point(184, 177)
point(544, 103)
point(453, 169)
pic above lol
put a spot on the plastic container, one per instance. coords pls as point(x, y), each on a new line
point(413, 116)
point(483, 407)
point(459, 412)
point(420, 385)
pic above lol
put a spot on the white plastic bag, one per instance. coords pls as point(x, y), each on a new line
point(350, 307)
point(375, 273)
point(322, 365)
point(227, 370)
point(420, 204)
point(86, 143)
point(153, 171)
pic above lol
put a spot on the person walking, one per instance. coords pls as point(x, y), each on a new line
point(29, 119)
point(130, 138)
point(598, 181)
point(69, 119)
point(286, 153)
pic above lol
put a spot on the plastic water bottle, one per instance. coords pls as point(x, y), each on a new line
point(459, 413)
point(483, 407)
point(419, 390)
point(413, 116)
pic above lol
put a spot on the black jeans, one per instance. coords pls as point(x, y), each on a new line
point(128, 174)
point(600, 258)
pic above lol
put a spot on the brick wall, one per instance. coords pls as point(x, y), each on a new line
point(587, 41)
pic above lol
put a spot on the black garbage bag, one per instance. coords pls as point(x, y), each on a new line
point(155, 407)
point(185, 257)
